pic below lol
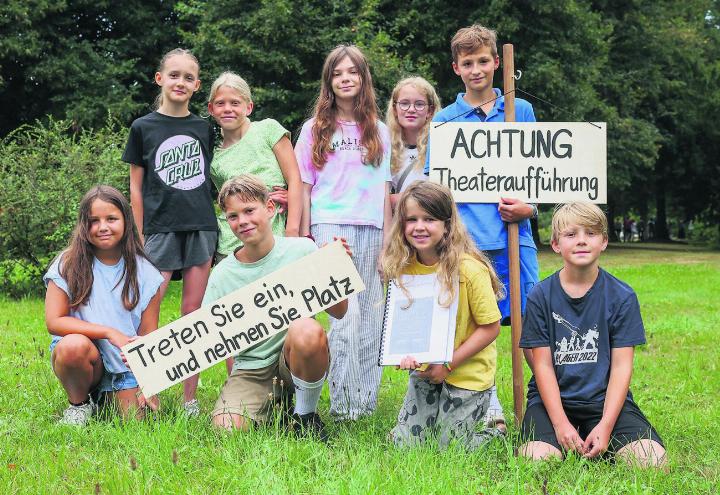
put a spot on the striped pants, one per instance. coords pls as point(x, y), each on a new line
point(354, 375)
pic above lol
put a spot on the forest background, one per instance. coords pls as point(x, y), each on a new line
point(74, 74)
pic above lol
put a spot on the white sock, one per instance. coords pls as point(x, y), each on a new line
point(307, 394)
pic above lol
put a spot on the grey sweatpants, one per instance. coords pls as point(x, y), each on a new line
point(354, 375)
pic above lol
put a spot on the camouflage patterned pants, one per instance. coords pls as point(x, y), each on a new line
point(442, 412)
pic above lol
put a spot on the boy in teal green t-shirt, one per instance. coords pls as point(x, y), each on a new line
point(292, 362)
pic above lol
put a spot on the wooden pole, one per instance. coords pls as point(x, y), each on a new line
point(514, 254)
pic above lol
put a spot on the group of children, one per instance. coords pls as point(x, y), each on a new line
point(346, 174)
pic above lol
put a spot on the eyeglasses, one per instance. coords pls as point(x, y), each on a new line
point(405, 105)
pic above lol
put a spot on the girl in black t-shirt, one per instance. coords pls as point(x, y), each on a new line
point(169, 151)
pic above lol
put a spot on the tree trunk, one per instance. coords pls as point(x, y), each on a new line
point(661, 227)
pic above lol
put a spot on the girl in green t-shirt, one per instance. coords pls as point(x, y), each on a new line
point(260, 148)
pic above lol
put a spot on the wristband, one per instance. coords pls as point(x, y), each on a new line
point(449, 368)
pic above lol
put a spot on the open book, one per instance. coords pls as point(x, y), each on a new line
point(422, 329)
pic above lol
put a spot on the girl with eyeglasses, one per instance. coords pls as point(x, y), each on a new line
point(409, 113)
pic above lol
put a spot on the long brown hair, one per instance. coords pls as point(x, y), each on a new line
point(77, 261)
point(365, 109)
point(391, 120)
point(437, 201)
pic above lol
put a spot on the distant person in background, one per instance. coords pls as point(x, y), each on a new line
point(626, 229)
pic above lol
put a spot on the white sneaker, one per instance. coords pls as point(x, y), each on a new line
point(192, 408)
point(78, 415)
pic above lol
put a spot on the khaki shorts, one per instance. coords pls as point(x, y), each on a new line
point(253, 393)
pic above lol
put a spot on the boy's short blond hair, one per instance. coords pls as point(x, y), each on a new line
point(247, 187)
point(580, 213)
point(472, 38)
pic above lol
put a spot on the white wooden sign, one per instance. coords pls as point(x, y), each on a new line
point(536, 162)
point(242, 318)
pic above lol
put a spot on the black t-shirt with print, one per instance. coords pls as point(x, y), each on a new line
point(581, 333)
point(176, 153)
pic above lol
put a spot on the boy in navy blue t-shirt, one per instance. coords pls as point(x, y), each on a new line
point(582, 325)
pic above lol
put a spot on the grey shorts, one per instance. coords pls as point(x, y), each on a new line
point(171, 251)
point(443, 413)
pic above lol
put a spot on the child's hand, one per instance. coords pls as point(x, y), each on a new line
point(122, 354)
point(597, 441)
point(344, 243)
point(408, 363)
point(279, 195)
point(435, 374)
point(119, 339)
point(513, 210)
point(153, 402)
point(568, 438)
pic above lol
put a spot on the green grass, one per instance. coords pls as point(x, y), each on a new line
point(676, 383)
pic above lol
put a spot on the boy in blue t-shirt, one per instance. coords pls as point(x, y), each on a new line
point(582, 325)
point(475, 59)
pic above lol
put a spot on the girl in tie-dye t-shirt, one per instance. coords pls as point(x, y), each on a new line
point(344, 158)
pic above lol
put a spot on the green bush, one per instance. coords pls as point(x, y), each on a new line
point(20, 278)
point(45, 169)
point(704, 233)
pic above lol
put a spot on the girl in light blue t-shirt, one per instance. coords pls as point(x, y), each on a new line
point(101, 293)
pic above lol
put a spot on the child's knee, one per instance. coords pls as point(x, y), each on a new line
point(306, 336)
point(643, 453)
point(539, 451)
point(74, 350)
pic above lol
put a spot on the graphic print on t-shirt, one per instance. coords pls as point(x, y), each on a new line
point(576, 348)
point(179, 162)
point(346, 144)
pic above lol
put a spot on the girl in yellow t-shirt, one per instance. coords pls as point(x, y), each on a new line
point(446, 400)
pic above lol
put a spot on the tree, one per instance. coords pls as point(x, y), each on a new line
point(81, 60)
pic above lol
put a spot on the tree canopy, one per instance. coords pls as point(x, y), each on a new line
point(648, 68)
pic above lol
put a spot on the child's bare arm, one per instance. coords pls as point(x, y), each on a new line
point(136, 200)
point(151, 315)
point(305, 222)
point(547, 384)
point(60, 323)
point(621, 363)
point(338, 310)
point(288, 165)
point(483, 336)
point(387, 216)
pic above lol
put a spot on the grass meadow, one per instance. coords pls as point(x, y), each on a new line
point(676, 383)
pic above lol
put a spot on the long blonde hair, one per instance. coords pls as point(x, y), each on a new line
point(437, 201)
point(391, 120)
point(365, 109)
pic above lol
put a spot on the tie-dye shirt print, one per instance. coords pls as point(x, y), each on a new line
point(345, 191)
